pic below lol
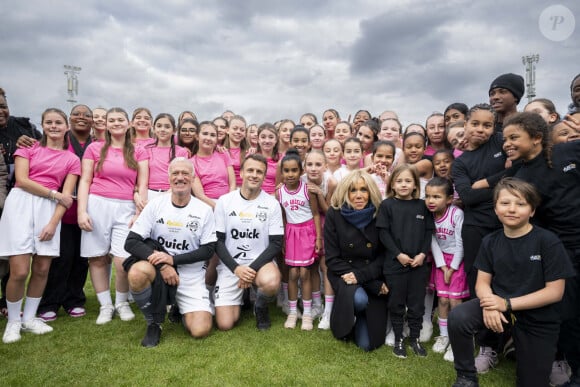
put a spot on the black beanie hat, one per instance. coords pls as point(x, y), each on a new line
point(512, 82)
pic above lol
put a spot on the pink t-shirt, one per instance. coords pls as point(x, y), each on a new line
point(49, 167)
point(269, 184)
point(213, 173)
point(235, 156)
point(115, 180)
point(159, 165)
point(142, 142)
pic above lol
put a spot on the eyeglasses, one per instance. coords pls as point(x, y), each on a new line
point(185, 130)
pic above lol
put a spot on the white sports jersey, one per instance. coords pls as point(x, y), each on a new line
point(296, 204)
point(324, 185)
point(448, 234)
point(248, 224)
point(179, 230)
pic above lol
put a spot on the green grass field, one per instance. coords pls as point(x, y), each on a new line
point(81, 353)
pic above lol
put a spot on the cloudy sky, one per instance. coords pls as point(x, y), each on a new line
point(269, 60)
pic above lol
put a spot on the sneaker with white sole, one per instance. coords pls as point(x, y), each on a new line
point(486, 360)
point(449, 355)
point(124, 311)
point(306, 323)
point(561, 372)
point(317, 311)
point(36, 326)
point(426, 331)
point(47, 316)
point(441, 344)
point(76, 312)
point(105, 314)
point(12, 332)
point(324, 323)
point(390, 339)
point(290, 322)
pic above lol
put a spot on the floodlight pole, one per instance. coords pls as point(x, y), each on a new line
point(72, 83)
point(529, 61)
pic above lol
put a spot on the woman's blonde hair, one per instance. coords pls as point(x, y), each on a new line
point(340, 196)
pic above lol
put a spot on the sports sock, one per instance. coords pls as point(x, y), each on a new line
point(143, 301)
point(307, 304)
point(121, 297)
point(443, 327)
point(14, 309)
point(285, 290)
point(328, 301)
point(316, 300)
point(30, 308)
point(105, 298)
point(292, 305)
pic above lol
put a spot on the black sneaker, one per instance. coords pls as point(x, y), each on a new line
point(399, 349)
point(262, 318)
point(463, 381)
point(418, 348)
point(152, 336)
point(174, 315)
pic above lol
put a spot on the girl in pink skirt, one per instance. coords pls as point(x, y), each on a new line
point(448, 275)
point(303, 236)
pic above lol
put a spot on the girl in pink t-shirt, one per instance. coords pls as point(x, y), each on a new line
point(30, 224)
point(141, 126)
point(236, 145)
point(112, 190)
point(160, 153)
point(214, 172)
point(268, 147)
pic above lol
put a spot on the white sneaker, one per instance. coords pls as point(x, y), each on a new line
point(124, 311)
point(12, 332)
point(324, 323)
point(426, 331)
point(36, 326)
point(390, 339)
point(486, 360)
point(441, 344)
point(561, 372)
point(106, 314)
point(449, 355)
point(317, 311)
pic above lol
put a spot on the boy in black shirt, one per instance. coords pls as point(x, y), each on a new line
point(521, 276)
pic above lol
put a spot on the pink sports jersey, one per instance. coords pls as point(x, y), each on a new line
point(269, 184)
point(235, 156)
point(213, 173)
point(115, 180)
point(49, 167)
point(159, 158)
point(296, 203)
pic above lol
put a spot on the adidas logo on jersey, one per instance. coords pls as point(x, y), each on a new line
point(233, 213)
point(160, 221)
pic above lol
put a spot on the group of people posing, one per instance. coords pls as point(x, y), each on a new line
point(478, 207)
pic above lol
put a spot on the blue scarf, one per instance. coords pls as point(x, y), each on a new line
point(358, 218)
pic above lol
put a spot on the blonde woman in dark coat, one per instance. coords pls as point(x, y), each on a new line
point(353, 256)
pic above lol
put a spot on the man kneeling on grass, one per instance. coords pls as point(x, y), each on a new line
point(174, 233)
point(250, 231)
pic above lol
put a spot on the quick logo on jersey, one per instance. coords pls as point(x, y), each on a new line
point(160, 221)
point(535, 257)
point(183, 245)
point(569, 167)
point(498, 154)
point(250, 234)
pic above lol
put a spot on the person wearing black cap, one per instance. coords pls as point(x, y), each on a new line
point(505, 92)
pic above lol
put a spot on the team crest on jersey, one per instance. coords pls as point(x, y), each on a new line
point(262, 216)
point(193, 225)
